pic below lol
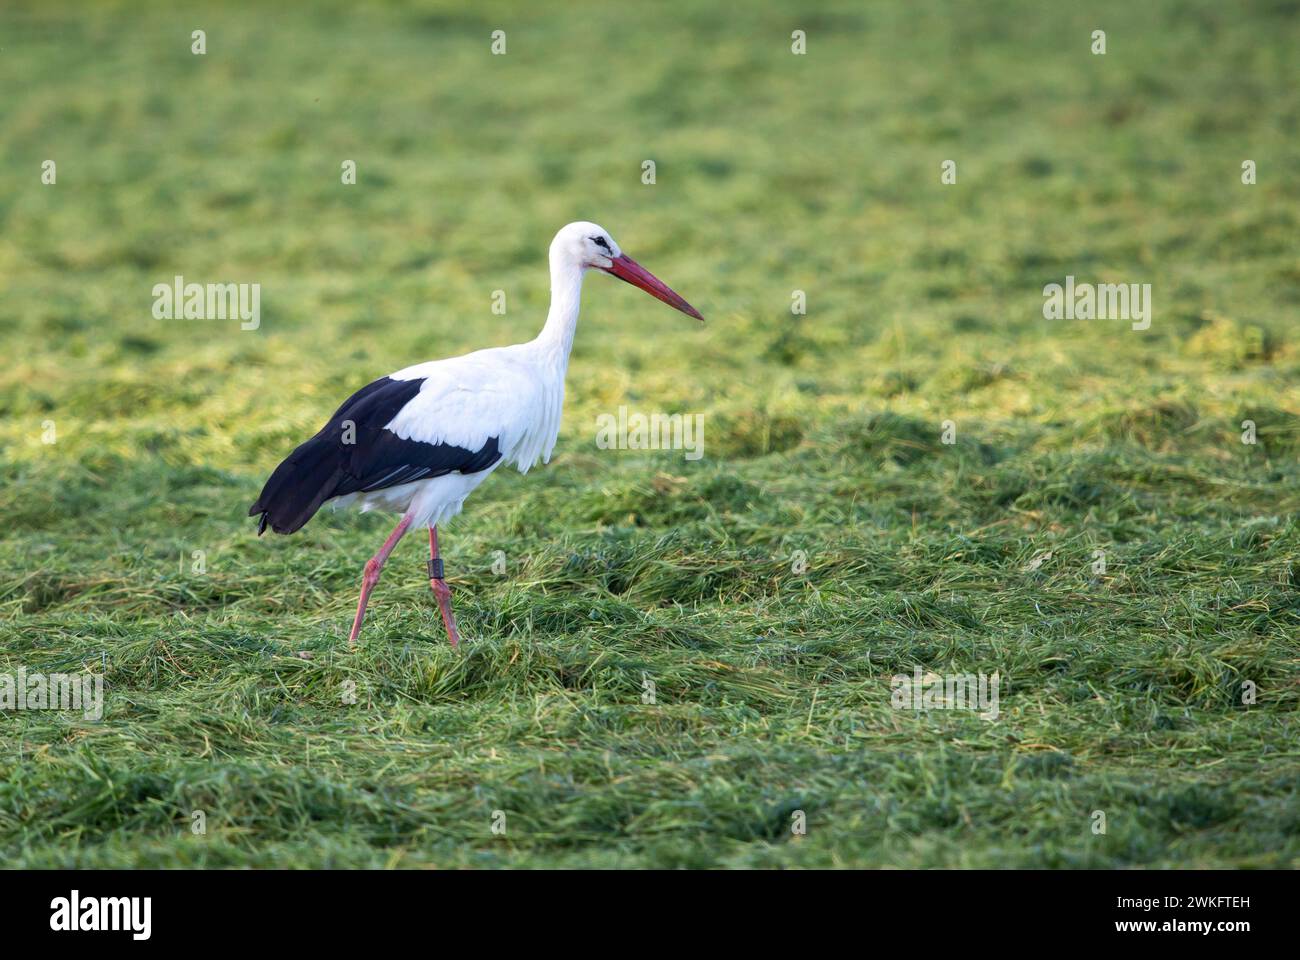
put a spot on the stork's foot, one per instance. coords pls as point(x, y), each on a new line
point(442, 593)
point(371, 575)
point(368, 580)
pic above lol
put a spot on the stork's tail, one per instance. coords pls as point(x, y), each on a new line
point(295, 491)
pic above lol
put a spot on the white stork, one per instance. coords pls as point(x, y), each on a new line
point(418, 441)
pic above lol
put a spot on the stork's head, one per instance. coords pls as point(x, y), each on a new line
point(586, 245)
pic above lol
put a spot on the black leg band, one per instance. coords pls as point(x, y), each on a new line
point(435, 568)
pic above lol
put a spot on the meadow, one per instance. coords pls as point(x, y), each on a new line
point(1101, 532)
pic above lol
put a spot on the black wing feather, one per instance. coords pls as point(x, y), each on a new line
point(329, 466)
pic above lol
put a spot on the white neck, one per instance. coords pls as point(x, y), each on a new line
point(556, 337)
point(551, 349)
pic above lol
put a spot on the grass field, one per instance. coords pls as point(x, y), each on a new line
point(131, 447)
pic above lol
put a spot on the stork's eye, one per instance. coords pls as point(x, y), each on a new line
point(600, 242)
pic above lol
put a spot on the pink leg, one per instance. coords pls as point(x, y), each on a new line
point(371, 576)
point(441, 592)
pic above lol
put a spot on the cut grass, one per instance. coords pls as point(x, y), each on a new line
point(230, 689)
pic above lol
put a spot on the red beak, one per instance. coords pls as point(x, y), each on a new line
point(625, 268)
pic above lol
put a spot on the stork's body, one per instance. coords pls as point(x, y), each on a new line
point(418, 441)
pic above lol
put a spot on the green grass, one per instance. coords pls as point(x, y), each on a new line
point(1121, 692)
